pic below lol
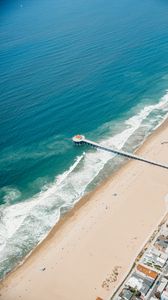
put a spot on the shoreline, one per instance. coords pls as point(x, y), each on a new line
point(83, 200)
point(140, 253)
point(69, 217)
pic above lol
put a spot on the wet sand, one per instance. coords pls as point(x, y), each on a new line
point(89, 252)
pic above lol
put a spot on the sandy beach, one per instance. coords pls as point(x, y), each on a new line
point(90, 251)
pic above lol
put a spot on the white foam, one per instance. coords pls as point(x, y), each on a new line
point(11, 195)
point(44, 208)
point(134, 123)
point(14, 215)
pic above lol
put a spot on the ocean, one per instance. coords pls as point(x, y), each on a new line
point(93, 67)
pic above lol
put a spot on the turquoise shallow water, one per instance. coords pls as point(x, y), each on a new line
point(99, 68)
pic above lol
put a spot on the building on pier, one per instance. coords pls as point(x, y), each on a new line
point(78, 139)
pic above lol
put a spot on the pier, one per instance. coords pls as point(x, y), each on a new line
point(80, 139)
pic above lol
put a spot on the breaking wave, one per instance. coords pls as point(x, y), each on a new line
point(23, 225)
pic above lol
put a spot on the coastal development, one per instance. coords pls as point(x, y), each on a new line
point(148, 278)
point(84, 217)
point(90, 252)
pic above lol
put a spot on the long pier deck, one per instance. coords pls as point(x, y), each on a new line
point(80, 139)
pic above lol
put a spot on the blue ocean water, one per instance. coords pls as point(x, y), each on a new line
point(94, 67)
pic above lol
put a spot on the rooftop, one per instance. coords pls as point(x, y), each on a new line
point(149, 273)
point(78, 138)
point(137, 281)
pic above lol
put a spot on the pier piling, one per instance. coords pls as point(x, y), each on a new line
point(80, 139)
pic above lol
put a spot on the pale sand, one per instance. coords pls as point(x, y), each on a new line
point(104, 231)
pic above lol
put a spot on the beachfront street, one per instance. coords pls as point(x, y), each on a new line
point(148, 279)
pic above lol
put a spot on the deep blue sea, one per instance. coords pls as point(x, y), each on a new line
point(95, 67)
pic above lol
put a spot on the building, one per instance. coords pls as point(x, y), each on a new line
point(148, 273)
point(162, 243)
point(140, 282)
point(126, 294)
point(162, 285)
point(154, 258)
point(164, 295)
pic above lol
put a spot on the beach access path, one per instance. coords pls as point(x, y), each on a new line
point(90, 251)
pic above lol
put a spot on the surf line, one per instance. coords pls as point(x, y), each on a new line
point(80, 139)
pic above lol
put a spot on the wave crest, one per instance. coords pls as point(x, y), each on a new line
point(40, 213)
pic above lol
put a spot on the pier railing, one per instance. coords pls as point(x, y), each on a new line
point(80, 139)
